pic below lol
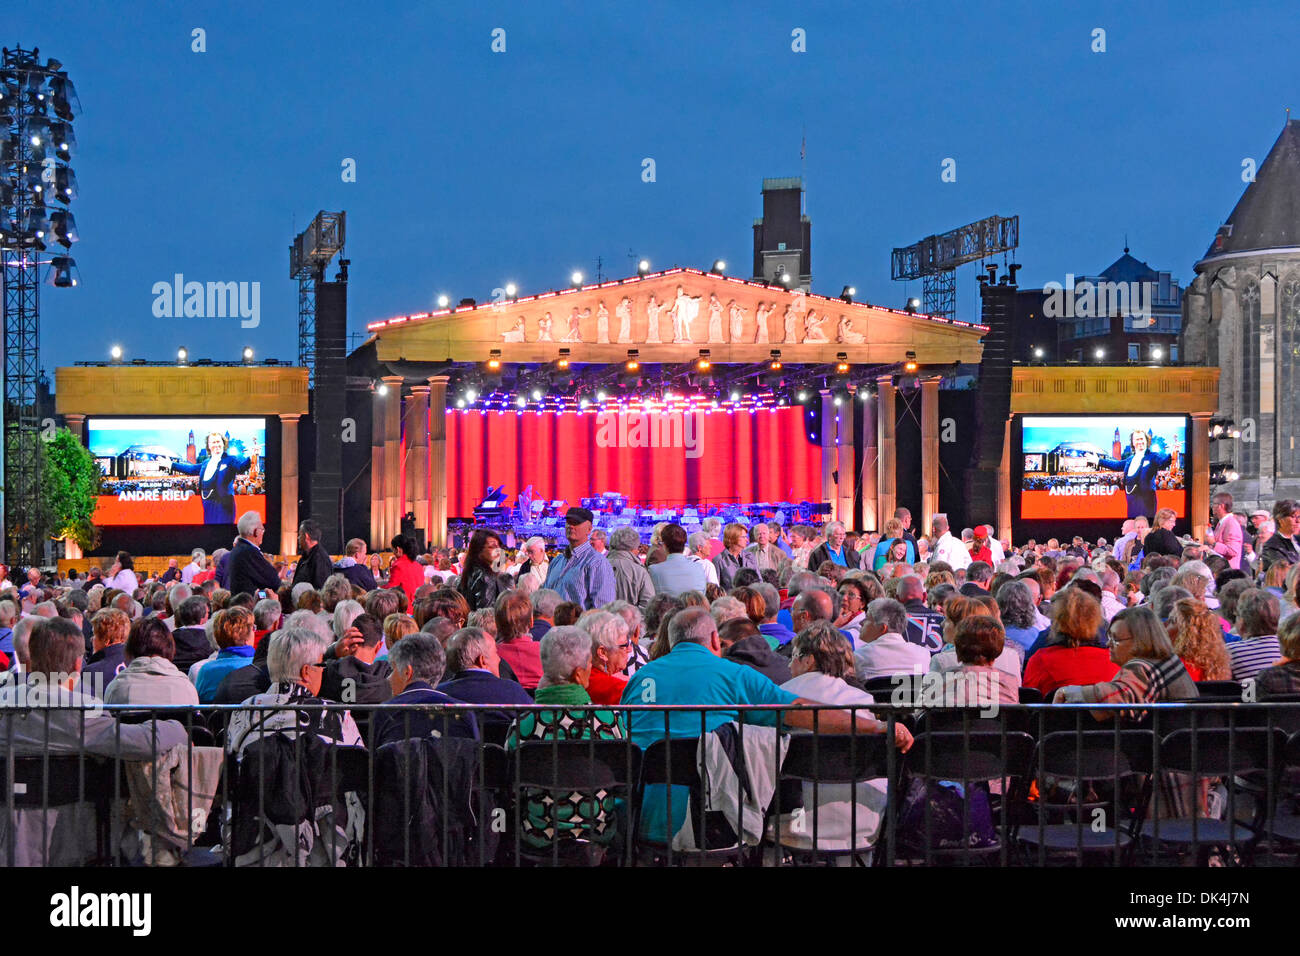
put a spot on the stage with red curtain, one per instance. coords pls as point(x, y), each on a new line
point(741, 457)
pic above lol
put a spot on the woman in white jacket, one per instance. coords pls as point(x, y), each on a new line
point(122, 574)
point(150, 678)
point(820, 660)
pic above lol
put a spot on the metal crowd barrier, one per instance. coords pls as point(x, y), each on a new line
point(1026, 785)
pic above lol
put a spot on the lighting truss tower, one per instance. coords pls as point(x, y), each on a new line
point(311, 252)
point(37, 105)
point(934, 260)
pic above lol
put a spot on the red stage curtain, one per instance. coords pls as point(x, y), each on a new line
point(739, 457)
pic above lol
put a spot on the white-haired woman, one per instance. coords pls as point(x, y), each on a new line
point(197, 558)
point(566, 654)
point(291, 708)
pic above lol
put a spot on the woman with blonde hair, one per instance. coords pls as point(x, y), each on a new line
point(1197, 637)
point(1073, 654)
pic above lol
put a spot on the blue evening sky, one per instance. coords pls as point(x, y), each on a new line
point(474, 168)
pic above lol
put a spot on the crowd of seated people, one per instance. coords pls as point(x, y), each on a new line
point(1111, 623)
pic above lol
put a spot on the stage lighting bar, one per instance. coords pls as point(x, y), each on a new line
point(842, 366)
point(910, 365)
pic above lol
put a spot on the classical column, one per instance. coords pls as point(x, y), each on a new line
point(827, 440)
point(379, 535)
point(846, 463)
point(870, 454)
point(886, 451)
point(393, 455)
point(417, 457)
point(929, 449)
point(1199, 478)
point(77, 425)
point(438, 460)
point(1004, 486)
point(288, 484)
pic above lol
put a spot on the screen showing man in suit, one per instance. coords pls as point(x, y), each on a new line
point(178, 471)
point(1102, 466)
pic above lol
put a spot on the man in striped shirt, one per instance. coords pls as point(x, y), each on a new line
point(1257, 615)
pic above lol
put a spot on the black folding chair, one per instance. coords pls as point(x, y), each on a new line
point(1205, 754)
point(1219, 690)
point(673, 763)
point(568, 774)
point(1284, 827)
point(1085, 783)
point(818, 761)
point(45, 783)
point(972, 760)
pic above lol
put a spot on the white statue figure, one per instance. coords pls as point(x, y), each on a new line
point(652, 311)
point(684, 310)
point(791, 323)
point(602, 324)
point(624, 313)
point(737, 315)
point(813, 328)
point(544, 328)
point(764, 310)
point(575, 327)
point(715, 319)
point(846, 334)
point(516, 334)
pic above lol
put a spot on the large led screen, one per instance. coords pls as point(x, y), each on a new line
point(178, 471)
point(1102, 466)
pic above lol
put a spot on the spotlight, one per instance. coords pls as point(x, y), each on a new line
point(911, 306)
point(182, 355)
point(1157, 353)
point(460, 403)
point(537, 394)
point(633, 364)
point(848, 294)
point(470, 394)
point(775, 363)
point(719, 266)
point(735, 394)
point(1099, 354)
point(643, 267)
point(248, 354)
point(910, 365)
point(63, 227)
point(562, 363)
point(802, 396)
point(576, 280)
point(702, 364)
point(1039, 353)
point(381, 389)
point(601, 395)
point(64, 275)
point(494, 361)
point(521, 401)
point(444, 300)
point(583, 403)
point(116, 354)
point(842, 363)
point(783, 278)
point(512, 290)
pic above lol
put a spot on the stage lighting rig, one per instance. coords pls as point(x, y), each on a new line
point(643, 267)
point(842, 366)
point(848, 293)
point(912, 305)
point(910, 365)
point(719, 267)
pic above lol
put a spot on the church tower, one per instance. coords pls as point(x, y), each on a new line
point(1242, 313)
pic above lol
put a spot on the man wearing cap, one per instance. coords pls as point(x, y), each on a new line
point(579, 574)
point(1261, 521)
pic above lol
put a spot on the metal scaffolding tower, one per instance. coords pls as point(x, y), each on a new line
point(935, 259)
point(37, 105)
point(311, 252)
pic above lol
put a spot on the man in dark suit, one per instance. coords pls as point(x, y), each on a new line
point(418, 662)
point(314, 565)
point(475, 669)
point(249, 569)
point(1140, 469)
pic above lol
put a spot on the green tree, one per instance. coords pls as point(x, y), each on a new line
point(70, 480)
